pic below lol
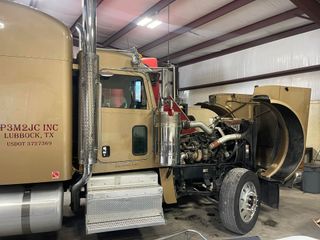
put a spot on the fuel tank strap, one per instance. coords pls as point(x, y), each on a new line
point(25, 211)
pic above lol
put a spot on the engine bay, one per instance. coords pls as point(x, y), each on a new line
point(206, 155)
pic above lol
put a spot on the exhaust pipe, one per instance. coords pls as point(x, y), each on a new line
point(195, 124)
point(88, 65)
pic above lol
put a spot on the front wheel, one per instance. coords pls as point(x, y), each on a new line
point(239, 200)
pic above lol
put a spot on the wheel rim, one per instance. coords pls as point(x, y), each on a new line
point(248, 201)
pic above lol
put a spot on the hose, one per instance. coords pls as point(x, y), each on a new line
point(223, 139)
point(201, 125)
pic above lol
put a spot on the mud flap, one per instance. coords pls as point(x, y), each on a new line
point(167, 183)
point(270, 193)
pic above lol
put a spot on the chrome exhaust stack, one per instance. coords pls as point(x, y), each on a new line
point(88, 101)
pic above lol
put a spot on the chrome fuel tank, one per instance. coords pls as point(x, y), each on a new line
point(30, 210)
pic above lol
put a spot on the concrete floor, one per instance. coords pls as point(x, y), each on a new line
point(294, 217)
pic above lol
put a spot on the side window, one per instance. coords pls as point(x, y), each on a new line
point(139, 140)
point(123, 91)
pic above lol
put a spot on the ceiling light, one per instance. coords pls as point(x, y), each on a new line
point(1, 25)
point(144, 21)
point(154, 24)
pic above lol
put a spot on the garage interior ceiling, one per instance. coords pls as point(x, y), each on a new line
point(192, 30)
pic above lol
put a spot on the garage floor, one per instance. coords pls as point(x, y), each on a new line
point(297, 209)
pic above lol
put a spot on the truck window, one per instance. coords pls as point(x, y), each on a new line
point(123, 91)
point(139, 140)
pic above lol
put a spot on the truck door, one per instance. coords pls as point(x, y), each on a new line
point(126, 122)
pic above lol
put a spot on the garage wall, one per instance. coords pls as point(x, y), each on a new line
point(294, 52)
point(310, 80)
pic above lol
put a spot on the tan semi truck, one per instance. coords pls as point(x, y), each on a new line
point(95, 129)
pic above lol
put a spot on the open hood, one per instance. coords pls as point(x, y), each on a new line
point(281, 114)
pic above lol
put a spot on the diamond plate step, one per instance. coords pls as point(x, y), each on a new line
point(123, 201)
point(125, 224)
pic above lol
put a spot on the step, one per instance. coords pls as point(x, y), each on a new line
point(125, 224)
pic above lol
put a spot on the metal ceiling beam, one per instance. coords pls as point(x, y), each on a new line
point(130, 26)
point(260, 41)
point(236, 33)
point(309, 7)
point(79, 19)
point(197, 23)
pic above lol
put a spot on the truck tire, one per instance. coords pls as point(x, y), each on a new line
point(239, 200)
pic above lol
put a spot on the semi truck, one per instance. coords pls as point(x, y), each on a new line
point(105, 129)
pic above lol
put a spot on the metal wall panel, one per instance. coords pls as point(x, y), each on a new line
point(294, 52)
